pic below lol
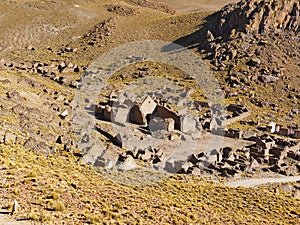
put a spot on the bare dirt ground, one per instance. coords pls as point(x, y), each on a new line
point(260, 181)
point(195, 5)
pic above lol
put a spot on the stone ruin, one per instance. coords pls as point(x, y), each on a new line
point(293, 132)
point(149, 130)
point(261, 153)
point(146, 113)
point(266, 154)
point(217, 124)
point(276, 154)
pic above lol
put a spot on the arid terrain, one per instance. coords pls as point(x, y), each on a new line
point(149, 112)
point(195, 5)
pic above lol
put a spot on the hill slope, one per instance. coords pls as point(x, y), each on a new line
point(45, 48)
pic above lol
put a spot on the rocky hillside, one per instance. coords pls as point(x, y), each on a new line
point(260, 17)
point(254, 46)
point(238, 27)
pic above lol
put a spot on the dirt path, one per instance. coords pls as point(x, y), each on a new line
point(259, 181)
point(195, 5)
point(6, 220)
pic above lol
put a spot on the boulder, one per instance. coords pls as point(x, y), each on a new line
point(186, 166)
point(254, 62)
point(196, 171)
point(145, 155)
point(10, 138)
point(64, 114)
point(92, 155)
point(61, 66)
point(268, 79)
point(297, 195)
point(128, 164)
point(173, 165)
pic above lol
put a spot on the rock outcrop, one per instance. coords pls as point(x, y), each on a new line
point(255, 41)
point(259, 16)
